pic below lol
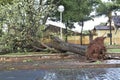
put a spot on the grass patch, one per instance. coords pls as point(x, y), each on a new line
point(113, 50)
point(19, 53)
point(26, 53)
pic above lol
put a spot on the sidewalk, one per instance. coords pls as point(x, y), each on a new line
point(52, 61)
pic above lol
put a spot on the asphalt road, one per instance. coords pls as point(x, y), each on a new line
point(63, 74)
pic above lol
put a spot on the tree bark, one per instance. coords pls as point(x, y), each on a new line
point(65, 46)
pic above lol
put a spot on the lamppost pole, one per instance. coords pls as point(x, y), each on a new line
point(61, 23)
point(61, 9)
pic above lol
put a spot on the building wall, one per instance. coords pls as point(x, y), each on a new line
point(115, 37)
point(76, 39)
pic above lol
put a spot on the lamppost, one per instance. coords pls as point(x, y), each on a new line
point(61, 9)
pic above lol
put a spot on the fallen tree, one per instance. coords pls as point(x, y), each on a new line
point(65, 46)
point(96, 50)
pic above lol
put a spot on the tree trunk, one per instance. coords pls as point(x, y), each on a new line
point(64, 46)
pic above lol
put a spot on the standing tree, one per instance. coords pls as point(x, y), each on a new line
point(77, 10)
point(106, 8)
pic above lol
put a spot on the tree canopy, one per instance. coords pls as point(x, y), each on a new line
point(4, 2)
point(76, 10)
point(104, 8)
point(21, 22)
